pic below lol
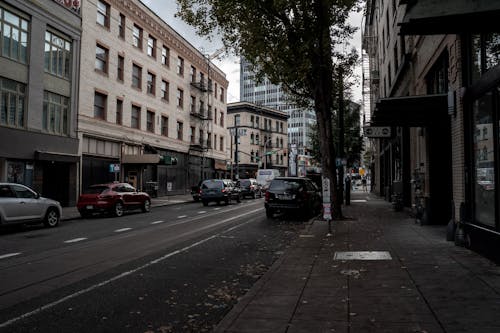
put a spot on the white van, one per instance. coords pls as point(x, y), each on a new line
point(264, 176)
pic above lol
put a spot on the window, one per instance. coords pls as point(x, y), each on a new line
point(215, 90)
point(180, 66)
point(119, 111)
point(215, 141)
point(136, 76)
point(151, 83)
point(257, 122)
point(252, 139)
point(100, 101)
point(209, 140)
point(484, 54)
point(221, 94)
point(192, 105)
point(119, 70)
point(101, 58)
point(221, 144)
point(252, 120)
point(164, 90)
point(164, 126)
point(191, 134)
point(121, 26)
point(222, 119)
point(55, 113)
point(57, 55)
point(137, 36)
point(179, 130)
point(150, 121)
point(135, 117)
point(200, 138)
point(12, 103)
point(102, 13)
point(193, 74)
point(151, 46)
point(180, 98)
point(237, 120)
point(165, 56)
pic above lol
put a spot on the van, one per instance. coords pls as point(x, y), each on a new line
point(264, 176)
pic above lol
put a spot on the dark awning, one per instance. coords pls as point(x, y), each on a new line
point(56, 157)
point(431, 17)
point(411, 111)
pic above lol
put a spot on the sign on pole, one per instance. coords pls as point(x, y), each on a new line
point(377, 131)
point(325, 189)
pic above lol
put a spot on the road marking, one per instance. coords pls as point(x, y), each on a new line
point(202, 212)
point(157, 222)
point(127, 273)
point(216, 208)
point(8, 255)
point(74, 240)
point(123, 229)
point(181, 216)
point(360, 200)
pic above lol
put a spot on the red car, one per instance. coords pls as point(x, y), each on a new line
point(112, 198)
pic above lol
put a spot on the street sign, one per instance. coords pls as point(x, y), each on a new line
point(114, 168)
point(327, 211)
point(377, 131)
point(325, 189)
point(241, 131)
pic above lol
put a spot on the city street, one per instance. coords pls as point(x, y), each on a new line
point(177, 268)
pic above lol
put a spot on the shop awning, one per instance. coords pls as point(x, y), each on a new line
point(141, 159)
point(56, 157)
point(431, 17)
point(411, 111)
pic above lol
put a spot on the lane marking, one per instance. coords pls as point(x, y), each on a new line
point(157, 222)
point(135, 270)
point(123, 229)
point(216, 208)
point(74, 240)
point(8, 255)
point(181, 216)
point(202, 212)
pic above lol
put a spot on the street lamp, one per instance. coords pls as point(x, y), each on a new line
point(265, 148)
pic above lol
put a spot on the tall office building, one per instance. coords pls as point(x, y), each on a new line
point(270, 95)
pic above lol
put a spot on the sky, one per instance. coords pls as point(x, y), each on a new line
point(229, 64)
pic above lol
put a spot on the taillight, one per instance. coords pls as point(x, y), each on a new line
point(252, 187)
point(199, 191)
point(267, 196)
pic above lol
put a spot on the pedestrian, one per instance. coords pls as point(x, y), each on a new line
point(363, 184)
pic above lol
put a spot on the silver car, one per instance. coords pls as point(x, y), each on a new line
point(20, 204)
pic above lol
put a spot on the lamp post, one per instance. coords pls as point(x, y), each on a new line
point(265, 152)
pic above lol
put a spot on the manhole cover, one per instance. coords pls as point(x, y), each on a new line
point(362, 255)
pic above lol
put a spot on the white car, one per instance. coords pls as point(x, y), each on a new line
point(20, 204)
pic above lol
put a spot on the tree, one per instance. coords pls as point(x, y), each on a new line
point(292, 43)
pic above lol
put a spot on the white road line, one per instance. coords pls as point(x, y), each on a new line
point(216, 208)
point(8, 255)
point(157, 222)
point(74, 240)
point(181, 216)
point(123, 229)
point(124, 274)
point(202, 212)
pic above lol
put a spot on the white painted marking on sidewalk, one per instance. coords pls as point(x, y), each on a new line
point(361, 200)
point(8, 255)
point(157, 222)
point(75, 240)
point(181, 216)
point(202, 212)
point(123, 229)
point(124, 274)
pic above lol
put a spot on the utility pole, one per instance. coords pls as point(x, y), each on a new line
point(341, 138)
point(236, 136)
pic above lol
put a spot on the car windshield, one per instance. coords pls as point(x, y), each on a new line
point(244, 182)
point(211, 184)
point(284, 185)
point(95, 189)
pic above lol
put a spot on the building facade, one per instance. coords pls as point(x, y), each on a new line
point(435, 82)
point(271, 95)
point(39, 65)
point(152, 107)
point(259, 139)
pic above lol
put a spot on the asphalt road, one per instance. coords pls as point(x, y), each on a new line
point(176, 269)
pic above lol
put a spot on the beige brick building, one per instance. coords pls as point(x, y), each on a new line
point(147, 96)
point(435, 81)
point(263, 140)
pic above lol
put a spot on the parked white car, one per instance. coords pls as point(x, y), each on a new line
point(20, 204)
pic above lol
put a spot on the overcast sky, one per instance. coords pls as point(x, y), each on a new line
point(229, 64)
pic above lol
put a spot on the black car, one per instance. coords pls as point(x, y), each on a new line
point(250, 188)
point(297, 194)
point(217, 190)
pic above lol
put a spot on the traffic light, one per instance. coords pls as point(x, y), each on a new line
point(168, 160)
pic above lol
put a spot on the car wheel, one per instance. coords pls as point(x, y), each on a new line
point(238, 198)
point(196, 199)
point(269, 213)
point(51, 218)
point(205, 203)
point(254, 195)
point(228, 201)
point(146, 206)
point(118, 209)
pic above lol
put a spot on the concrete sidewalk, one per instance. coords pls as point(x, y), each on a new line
point(427, 284)
point(71, 213)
